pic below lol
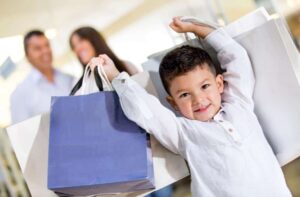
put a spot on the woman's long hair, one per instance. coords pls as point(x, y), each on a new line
point(100, 46)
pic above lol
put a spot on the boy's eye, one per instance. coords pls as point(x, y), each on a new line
point(183, 95)
point(205, 86)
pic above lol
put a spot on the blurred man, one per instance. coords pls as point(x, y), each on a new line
point(33, 95)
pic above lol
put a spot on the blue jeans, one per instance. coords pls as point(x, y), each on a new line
point(164, 192)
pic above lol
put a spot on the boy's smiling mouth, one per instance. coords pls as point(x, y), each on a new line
point(202, 109)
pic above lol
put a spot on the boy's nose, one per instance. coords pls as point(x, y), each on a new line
point(199, 100)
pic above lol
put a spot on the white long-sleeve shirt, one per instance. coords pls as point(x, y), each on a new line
point(229, 155)
point(33, 95)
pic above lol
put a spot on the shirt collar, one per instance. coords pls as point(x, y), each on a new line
point(219, 114)
point(37, 76)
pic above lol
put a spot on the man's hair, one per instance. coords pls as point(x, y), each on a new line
point(28, 36)
point(182, 60)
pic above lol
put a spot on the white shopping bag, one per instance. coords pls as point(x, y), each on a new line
point(276, 65)
point(89, 84)
point(29, 140)
point(22, 136)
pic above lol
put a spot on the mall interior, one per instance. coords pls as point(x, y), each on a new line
point(133, 29)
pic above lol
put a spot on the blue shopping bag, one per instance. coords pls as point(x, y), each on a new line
point(95, 149)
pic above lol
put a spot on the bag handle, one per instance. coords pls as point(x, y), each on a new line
point(197, 21)
point(83, 83)
point(98, 79)
point(88, 78)
point(104, 78)
point(99, 76)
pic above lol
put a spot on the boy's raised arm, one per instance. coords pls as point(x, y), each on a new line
point(143, 108)
point(238, 75)
point(147, 111)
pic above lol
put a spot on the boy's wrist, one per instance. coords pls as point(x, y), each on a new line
point(113, 75)
point(202, 31)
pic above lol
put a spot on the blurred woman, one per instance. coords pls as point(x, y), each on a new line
point(86, 42)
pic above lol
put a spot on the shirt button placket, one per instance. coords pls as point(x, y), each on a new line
point(228, 127)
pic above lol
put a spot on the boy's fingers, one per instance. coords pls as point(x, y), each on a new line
point(101, 61)
point(177, 21)
point(176, 18)
point(93, 63)
point(104, 58)
point(174, 27)
point(103, 55)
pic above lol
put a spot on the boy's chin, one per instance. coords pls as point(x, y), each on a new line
point(203, 119)
point(200, 118)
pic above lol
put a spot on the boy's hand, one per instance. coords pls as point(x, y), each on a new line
point(108, 66)
point(180, 26)
point(183, 27)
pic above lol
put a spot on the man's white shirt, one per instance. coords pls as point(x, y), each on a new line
point(33, 95)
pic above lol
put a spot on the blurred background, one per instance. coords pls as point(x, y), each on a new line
point(134, 29)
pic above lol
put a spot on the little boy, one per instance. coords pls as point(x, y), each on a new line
point(219, 134)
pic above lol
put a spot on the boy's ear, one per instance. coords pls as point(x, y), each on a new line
point(172, 102)
point(220, 83)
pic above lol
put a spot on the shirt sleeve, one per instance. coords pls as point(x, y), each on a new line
point(238, 76)
point(147, 111)
point(18, 109)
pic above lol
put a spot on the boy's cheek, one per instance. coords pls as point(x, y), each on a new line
point(184, 109)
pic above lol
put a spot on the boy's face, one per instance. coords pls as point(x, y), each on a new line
point(197, 93)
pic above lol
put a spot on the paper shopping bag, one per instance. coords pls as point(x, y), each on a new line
point(95, 149)
point(30, 142)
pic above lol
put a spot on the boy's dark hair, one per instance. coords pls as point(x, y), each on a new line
point(182, 60)
point(28, 36)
